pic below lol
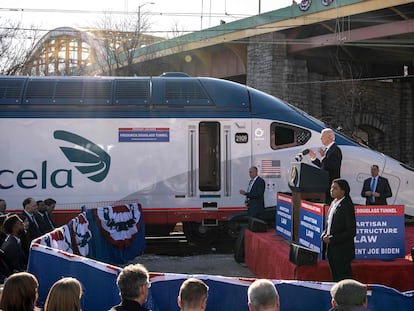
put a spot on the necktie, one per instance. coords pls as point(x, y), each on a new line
point(373, 187)
point(34, 221)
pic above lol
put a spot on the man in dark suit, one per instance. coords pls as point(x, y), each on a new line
point(254, 194)
point(32, 221)
point(331, 158)
point(14, 256)
point(376, 189)
point(42, 215)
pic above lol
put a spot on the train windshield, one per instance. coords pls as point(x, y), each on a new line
point(339, 135)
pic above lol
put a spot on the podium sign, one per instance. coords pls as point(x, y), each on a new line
point(380, 232)
point(311, 226)
point(284, 216)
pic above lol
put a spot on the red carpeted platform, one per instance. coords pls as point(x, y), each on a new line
point(267, 256)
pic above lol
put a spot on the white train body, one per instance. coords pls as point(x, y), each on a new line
point(181, 152)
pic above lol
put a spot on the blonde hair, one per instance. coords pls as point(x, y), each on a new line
point(64, 295)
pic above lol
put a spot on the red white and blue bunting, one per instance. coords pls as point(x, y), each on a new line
point(119, 224)
point(72, 237)
point(58, 239)
point(81, 234)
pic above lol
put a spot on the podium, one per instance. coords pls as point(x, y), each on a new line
point(307, 182)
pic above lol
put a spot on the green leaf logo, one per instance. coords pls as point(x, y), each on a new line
point(90, 159)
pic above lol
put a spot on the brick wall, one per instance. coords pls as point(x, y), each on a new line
point(380, 112)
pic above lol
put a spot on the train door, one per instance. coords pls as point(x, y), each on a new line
point(209, 175)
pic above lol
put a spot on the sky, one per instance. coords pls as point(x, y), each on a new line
point(186, 15)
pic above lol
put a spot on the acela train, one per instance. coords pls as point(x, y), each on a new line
point(181, 146)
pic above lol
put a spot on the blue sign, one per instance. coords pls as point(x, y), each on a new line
point(380, 232)
point(311, 226)
point(284, 216)
point(144, 134)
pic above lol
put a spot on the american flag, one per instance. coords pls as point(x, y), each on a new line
point(270, 168)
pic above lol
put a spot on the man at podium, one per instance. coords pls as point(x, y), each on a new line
point(331, 158)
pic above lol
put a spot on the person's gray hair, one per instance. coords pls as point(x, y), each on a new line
point(329, 132)
point(130, 279)
point(262, 293)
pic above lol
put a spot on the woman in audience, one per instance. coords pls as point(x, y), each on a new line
point(64, 295)
point(20, 293)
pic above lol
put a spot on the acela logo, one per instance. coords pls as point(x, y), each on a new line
point(91, 160)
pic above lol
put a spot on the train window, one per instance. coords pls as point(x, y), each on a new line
point(285, 136)
point(209, 156)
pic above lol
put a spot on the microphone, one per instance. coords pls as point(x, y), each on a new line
point(300, 155)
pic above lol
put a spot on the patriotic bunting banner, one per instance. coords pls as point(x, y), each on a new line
point(119, 224)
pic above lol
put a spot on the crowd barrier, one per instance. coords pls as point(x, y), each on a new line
point(225, 293)
point(98, 233)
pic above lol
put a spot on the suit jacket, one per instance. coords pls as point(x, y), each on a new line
point(45, 222)
point(128, 305)
point(32, 232)
point(383, 188)
point(343, 231)
point(13, 255)
point(331, 162)
point(255, 197)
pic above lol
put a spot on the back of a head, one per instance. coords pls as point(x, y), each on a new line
point(9, 222)
point(193, 295)
point(262, 295)
point(19, 292)
point(130, 279)
point(64, 295)
point(349, 293)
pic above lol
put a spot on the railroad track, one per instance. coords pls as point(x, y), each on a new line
point(176, 244)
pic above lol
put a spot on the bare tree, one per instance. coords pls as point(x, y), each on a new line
point(176, 30)
point(120, 39)
point(16, 44)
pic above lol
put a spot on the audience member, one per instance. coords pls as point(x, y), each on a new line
point(193, 295)
point(4, 268)
point(65, 295)
point(3, 206)
point(3, 235)
point(133, 284)
point(349, 295)
point(20, 293)
point(14, 256)
point(45, 224)
point(33, 230)
point(263, 296)
point(50, 207)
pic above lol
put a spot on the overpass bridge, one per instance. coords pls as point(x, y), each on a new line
point(374, 33)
